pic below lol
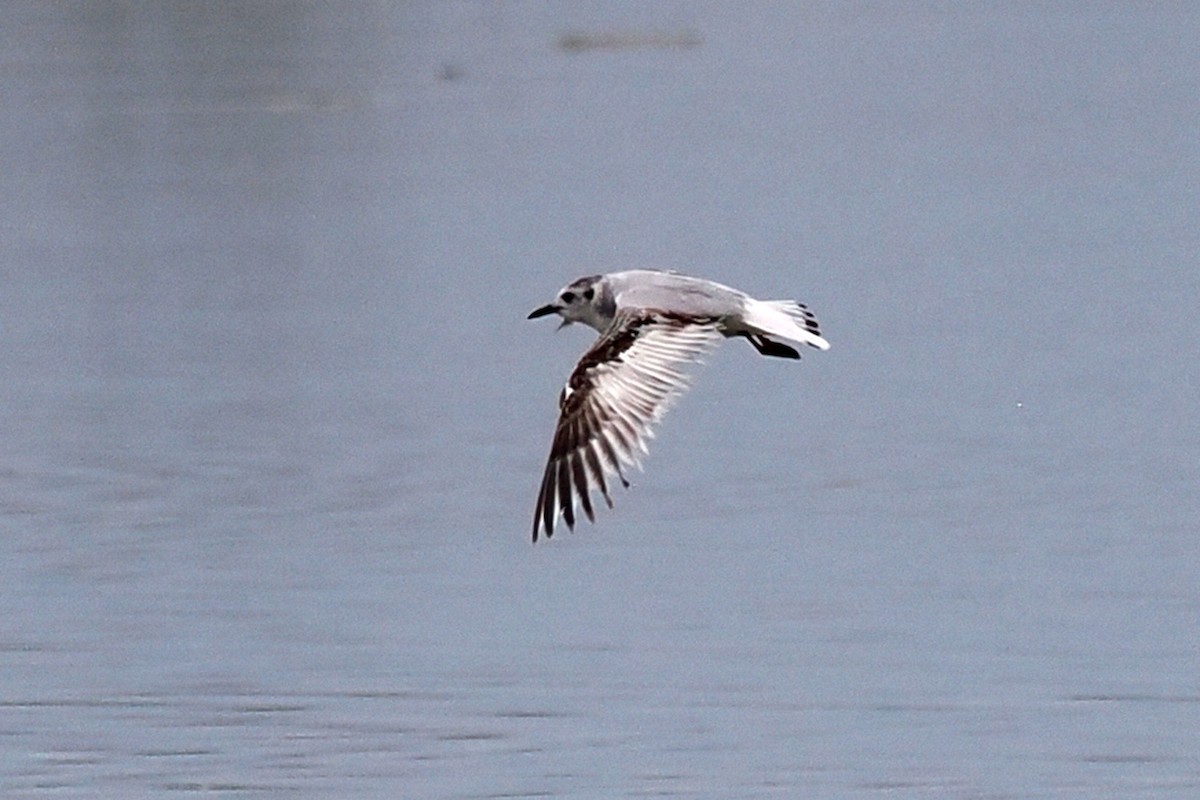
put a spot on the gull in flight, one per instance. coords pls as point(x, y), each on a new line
point(652, 324)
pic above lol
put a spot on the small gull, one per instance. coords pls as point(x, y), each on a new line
point(652, 324)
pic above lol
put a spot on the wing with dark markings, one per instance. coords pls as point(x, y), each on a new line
point(618, 390)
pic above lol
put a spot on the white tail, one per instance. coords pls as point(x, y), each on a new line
point(786, 319)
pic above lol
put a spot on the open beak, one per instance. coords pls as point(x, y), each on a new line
point(541, 312)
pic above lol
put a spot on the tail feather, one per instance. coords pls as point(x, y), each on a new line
point(786, 319)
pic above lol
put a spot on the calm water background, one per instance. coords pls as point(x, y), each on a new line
point(273, 420)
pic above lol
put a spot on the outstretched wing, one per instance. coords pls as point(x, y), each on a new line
point(618, 390)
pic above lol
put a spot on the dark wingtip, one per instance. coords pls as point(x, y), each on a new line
point(769, 347)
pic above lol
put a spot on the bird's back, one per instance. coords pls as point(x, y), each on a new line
point(670, 291)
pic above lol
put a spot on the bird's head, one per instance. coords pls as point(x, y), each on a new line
point(588, 300)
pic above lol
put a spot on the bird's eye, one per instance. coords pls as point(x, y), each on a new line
point(568, 297)
point(589, 294)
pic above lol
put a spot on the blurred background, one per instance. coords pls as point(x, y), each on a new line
point(273, 420)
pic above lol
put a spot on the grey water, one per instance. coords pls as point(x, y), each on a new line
point(273, 420)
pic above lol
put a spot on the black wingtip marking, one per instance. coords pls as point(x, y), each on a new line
point(593, 463)
point(772, 348)
point(565, 501)
point(579, 473)
point(548, 503)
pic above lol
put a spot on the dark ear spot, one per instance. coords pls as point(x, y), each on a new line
point(589, 294)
